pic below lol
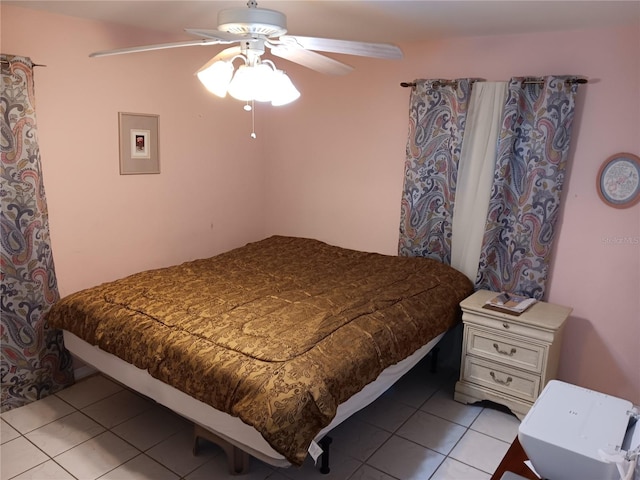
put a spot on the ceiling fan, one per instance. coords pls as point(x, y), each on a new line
point(255, 28)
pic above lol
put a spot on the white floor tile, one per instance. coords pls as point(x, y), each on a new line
point(480, 451)
point(365, 472)
point(65, 433)
point(7, 432)
point(406, 460)
point(276, 475)
point(151, 427)
point(18, 456)
point(140, 468)
point(443, 405)
point(432, 432)
point(218, 469)
point(117, 408)
point(386, 414)
point(48, 470)
point(453, 470)
point(36, 414)
point(501, 425)
point(414, 388)
point(358, 439)
point(342, 468)
point(89, 390)
point(176, 453)
point(97, 456)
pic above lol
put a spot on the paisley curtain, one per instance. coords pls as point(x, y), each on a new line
point(533, 147)
point(34, 362)
point(437, 115)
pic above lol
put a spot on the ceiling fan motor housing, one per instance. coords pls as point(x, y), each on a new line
point(252, 21)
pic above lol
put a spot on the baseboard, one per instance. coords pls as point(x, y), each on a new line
point(83, 371)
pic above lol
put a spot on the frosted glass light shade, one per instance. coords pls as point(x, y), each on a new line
point(216, 77)
point(283, 89)
point(242, 85)
point(263, 83)
point(253, 83)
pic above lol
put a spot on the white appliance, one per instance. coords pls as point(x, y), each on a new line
point(574, 433)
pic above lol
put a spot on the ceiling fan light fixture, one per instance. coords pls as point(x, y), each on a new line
point(284, 91)
point(263, 82)
point(242, 85)
point(216, 77)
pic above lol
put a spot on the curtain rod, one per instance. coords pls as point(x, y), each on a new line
point(569, 81)
point(538, 81)
point(437, 83)
point(4, 62)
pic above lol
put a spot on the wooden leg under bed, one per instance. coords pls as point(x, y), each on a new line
point(237, 459)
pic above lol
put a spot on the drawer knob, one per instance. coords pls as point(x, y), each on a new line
point(506, 325)
point(504, 352)
point(501, 382)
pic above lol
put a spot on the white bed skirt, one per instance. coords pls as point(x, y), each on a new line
point(229, 428)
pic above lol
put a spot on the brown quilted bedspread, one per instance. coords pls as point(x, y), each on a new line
point(278, 332)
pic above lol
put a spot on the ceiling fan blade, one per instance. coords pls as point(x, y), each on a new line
point(158, 46)
point(215, 34)
point(349, 47)
point(225, 54)
point(311, 60)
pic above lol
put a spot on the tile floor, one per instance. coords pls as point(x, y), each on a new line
point(99, 429)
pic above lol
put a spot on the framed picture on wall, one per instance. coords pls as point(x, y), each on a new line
point(139, 153)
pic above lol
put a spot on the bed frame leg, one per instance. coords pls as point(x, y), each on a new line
point(324, 458)
point(434, 359)
point(237, 459)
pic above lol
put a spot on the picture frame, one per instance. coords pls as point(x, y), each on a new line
point(139, 143)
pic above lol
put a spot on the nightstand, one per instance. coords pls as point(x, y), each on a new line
point(508, 359)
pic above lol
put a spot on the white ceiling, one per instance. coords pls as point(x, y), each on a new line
point(366, 20)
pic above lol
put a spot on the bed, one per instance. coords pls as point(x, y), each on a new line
point(269, 346)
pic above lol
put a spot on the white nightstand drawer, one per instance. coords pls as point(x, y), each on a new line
point(517, 352)
point(507, 324)
point(501, 378)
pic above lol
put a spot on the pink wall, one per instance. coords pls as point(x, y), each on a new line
point(329, 166)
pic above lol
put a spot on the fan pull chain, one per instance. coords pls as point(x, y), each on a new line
point(253, 120)
point(249, 107)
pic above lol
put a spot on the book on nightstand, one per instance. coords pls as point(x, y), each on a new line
point(509, 303)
